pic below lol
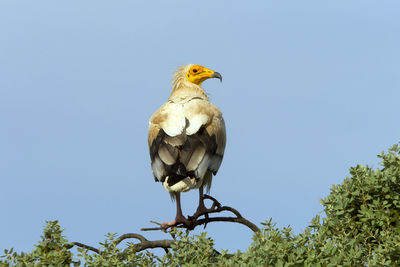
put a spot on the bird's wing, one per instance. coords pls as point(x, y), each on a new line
point(186, 140)
point(166, 124)
point(203, 115)
point(217, 128)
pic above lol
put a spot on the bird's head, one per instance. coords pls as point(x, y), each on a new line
point(197, 74)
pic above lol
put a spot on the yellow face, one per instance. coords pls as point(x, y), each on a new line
point(198, 74)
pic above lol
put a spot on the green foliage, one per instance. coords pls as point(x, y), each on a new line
point(191, 251)
point(52, 250)
point(364, 211)
point(110, 255)
point(361, 228)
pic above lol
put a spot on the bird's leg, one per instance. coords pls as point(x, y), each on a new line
point(201, 209)
point(179, 216)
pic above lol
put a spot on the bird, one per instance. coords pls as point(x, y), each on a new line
point(187, 139)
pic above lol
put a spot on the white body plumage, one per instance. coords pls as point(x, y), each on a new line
point(186, 137)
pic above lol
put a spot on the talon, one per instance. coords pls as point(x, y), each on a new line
point(202, 210)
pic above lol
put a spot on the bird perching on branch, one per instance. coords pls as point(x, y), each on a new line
point(187, 138)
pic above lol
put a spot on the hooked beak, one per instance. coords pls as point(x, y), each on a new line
point(217, 75)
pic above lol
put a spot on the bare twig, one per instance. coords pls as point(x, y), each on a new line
point(143, 245)
point(216, 208)
point(130, 235)
point(84, 246)
point(166, 244)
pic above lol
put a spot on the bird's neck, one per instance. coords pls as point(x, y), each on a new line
point(185, 89)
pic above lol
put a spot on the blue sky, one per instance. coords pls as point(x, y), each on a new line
point(310, 88)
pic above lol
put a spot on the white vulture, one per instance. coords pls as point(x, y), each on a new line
point(187, 138)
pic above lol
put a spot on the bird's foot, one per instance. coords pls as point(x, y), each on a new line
point(202, 210)
point(180, 219)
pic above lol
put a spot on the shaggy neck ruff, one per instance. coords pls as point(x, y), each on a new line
point(182, 88)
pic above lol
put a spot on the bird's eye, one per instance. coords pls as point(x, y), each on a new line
point(195, 70)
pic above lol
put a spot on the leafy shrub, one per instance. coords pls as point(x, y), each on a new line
point(52, 250)
point(361, 228)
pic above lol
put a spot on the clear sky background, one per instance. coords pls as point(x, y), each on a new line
point(310, 88)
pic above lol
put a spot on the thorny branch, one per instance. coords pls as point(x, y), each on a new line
point(165, 244)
